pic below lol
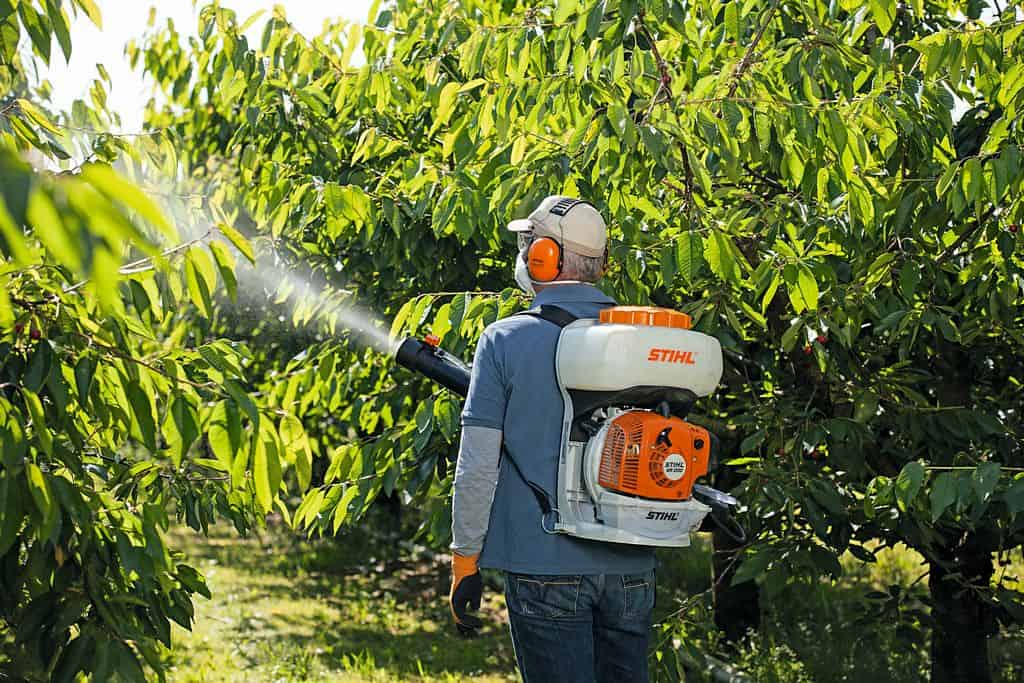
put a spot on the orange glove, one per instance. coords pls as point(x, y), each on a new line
point(467, 590)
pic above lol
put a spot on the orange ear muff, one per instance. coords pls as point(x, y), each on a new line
point(544, 259)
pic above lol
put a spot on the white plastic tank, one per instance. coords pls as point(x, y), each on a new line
point(638, 346)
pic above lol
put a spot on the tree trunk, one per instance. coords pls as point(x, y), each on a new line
point(737, 608)
point(962, 621)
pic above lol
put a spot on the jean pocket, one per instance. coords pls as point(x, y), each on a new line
point(638, 592)
point(551, 597)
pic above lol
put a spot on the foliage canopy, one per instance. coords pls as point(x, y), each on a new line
point(831, 189)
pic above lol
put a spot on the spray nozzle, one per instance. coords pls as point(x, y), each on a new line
point(428, 359)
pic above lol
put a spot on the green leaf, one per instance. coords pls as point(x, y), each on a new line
point(224, 431)
point(910, 276)
point(801, 287)
point(826, 495)
point(908, 483)
point(12, 513)
point(751, 442)
point(296, 446)
point(732, 21)
point(689, 256)
point(10, 35)
point(118, 189)
point(92, 11)
point(341, 511)
point(884, 13)
point(1014, 497)
point(49, 227)
point(38, 366)
point(447, 417)
point(201, 278)
point(244, 401)
point(36, 115)
point(355, 36)
point(39, 428)
point(266, 469)
point(943, 494)
point(60, 26)
point(446, 104)
point(564, 10)
point(755, 562)
point(594, 19)
point(718, 251)
point(38, 28)
point(181, 428)
point(239, 241)
point(142, 412)
point(984, 479)
point(457, 312)
point(42, 495)
point(398, 323)
point(226, 266)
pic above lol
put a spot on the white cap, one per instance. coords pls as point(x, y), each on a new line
point(573, 223)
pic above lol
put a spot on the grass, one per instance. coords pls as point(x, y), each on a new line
point(366, 607)
point(287, 610)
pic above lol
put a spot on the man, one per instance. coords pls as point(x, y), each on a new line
point(580, 610)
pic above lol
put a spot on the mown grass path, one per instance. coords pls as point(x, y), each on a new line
point(284, 610)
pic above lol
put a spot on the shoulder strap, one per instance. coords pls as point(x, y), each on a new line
point(560, 317)
point(553, 314)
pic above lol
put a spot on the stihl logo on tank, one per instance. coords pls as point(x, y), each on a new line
point(671, 356)
point(663, 516)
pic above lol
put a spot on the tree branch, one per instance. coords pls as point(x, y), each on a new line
point(748, 56)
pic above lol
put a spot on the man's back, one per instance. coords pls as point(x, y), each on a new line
point(514, 389)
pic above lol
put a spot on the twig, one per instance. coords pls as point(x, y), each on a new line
point(665, 81)
point(134, 266)
point(113, 350)
point(747, 59)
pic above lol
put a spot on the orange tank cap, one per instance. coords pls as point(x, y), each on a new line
point(651, 316)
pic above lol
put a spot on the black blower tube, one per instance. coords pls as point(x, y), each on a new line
point(434, 363)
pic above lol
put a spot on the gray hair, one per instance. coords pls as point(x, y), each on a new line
point(583, 268)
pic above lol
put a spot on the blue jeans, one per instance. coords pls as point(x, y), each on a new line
point(582, 629)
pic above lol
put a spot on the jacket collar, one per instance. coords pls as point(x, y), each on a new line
point(571, 293)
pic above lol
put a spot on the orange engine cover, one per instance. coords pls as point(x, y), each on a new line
point(651, 456)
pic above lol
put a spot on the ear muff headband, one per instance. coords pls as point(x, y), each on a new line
point(544, 259)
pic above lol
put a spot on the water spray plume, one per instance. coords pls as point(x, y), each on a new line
point(190, 207)
point(309, 301)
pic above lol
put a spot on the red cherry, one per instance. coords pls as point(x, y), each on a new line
point(35, 333)
point(808, 350)
point(19, 328)
point(1014, 227)
point(822, 339)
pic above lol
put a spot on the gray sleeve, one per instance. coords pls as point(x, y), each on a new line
point(476, 477)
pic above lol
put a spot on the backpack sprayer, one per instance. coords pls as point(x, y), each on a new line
point(629, 462)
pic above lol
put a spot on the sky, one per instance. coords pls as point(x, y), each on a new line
point(127, 19)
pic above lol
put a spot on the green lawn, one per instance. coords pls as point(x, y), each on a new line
point(366, 608)
point(287, 610)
